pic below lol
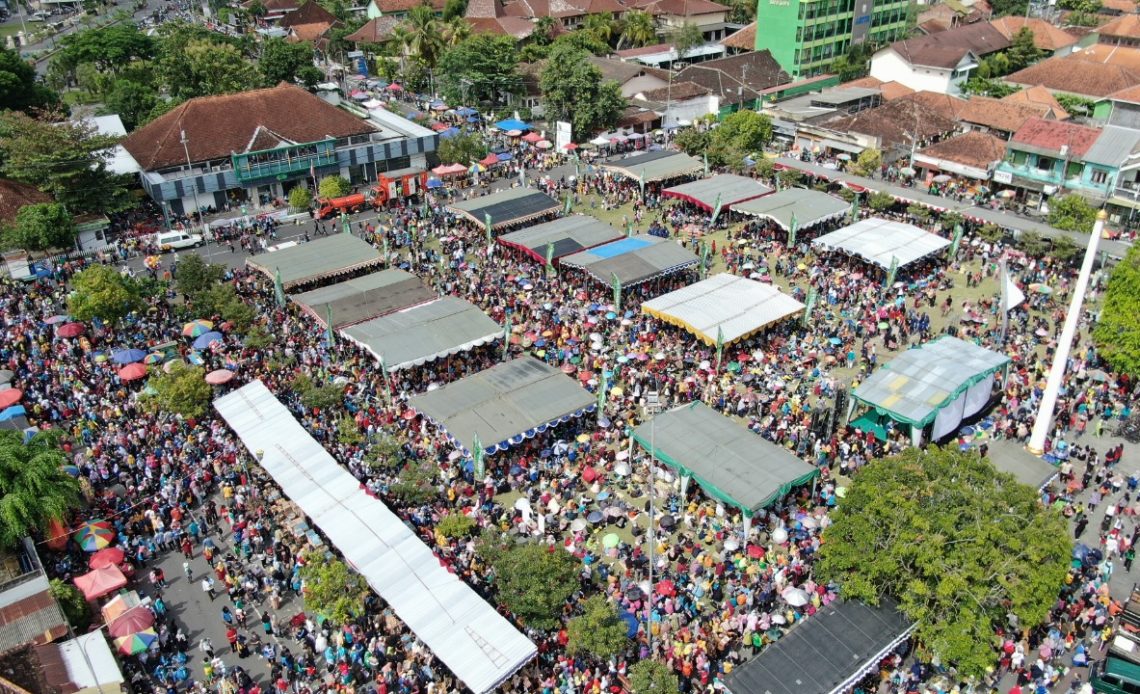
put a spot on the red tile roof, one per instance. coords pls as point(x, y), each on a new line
point(1125, 26)
point(217, 126)
point(975, 149)
point(1045, 35)
point(947, 48)
point(1039, 96)
point(402, 6)
point(14, 195)
point(679, 8)
point(517, 27)
point(1006, 116)
point(744, 39)
point(375, 30)
point(1075, 76)
point(1131, 95)
point(309, 13)
point(896, 122)
point(1051, 136)
point(678, 91)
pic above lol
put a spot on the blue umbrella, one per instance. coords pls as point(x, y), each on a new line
point(466, 111)
point(449, 133)
point(434, 183)
point(631, 624)
point(472, 119)
point(128, 356)
point(206, 340)
point(505, 156)
point(13, 411)
point(195, 359)
point(512, 124)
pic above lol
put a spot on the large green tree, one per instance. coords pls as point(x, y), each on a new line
point(196, 275)
point(331, 588)
point(182, 390)
point(67, 160)
point(282, 61)
point(534, 582)
point(34, 489)
point(1117, 333)
point(193, 61)
point(110, 48)
point(19, 89)
point(1072, 212)
point(462, 149)
point(958, 544)
point(134, 102)
point(42, 226)
point(1023, 51)
point(480, 69)
point(652, 677)
point(103, 292)
point(638, 29)
point(597, 631)
point(573, 90)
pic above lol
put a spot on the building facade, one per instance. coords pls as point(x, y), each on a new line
point(806, 36)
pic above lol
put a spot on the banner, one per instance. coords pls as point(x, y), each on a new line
point(704, 259)
point(550, 258)
point(345, 225)
point(384, 378)
point(958, 230)
point(569, 204)
point(278, 288)
point(617, 291)
point(809, 306)
point(507, 337)
point(477, 456)
point(329, 336)
point(706, 159)
point(716, 209)
point(603, 389)
point(795, 226)
point(641, 183)
point(487, 225)
point(892, 272)
point(719, 346)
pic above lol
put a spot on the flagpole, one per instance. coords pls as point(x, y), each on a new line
point(1004, 303)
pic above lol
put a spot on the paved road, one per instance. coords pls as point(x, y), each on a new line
point(1116, 249)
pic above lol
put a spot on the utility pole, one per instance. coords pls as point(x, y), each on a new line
point(190, 169)
point(652, 406)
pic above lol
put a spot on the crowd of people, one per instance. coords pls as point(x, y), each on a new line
point(178, 485)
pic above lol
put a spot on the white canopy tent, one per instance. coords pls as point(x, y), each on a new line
point(882, 242)
point(476, 643)
point(724, 303)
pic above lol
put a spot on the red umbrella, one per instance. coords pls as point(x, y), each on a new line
point(219, 376)
point(132, 372)
point(70, 330)
point(10, 397)
point(134, 620)
point(108, 556)
point(666, 588)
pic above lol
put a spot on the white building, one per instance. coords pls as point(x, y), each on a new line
point(940, 62)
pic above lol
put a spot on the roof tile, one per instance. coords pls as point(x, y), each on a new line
point(1051, 135)
point(976, 149)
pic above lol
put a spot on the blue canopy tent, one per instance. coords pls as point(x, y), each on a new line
point(512, 124)
point(466, 111)
point(449, 133)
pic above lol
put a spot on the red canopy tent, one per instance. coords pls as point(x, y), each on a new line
point(489, 160)
point(532, 137)
point(100, 582)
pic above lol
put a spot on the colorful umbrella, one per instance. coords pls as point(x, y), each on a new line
point(219, 376)
point(196, 328)
point(10, 397)
point(111, 556)
point(136, 643)
point(132, 372)
point(70, 330)
point(154, 358)
point(94, 535)
point(136, 620)
point(206, 339)
point(127, 356)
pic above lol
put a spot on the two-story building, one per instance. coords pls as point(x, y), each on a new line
point(1047, 157)
point(939, 62)
point(255, 146)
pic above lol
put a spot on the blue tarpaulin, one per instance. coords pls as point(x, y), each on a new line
point(449, 133)
point(512, 124)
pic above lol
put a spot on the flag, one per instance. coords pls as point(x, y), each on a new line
point(641, 182)
point(313, 171)
point(384, 378)
point(522, 176)
point(507, 337)
point(958, 230)
point(716, 209)
point(487, 225)
point(719, 345)
point(777, 181)
point(384, 241)
point(894, 270)
point(477, 458)
point(345, 225)
point(278, 288)
point(577, 168)
point(706, 158)
point(550, 256)
point(569, 204)
point(792, 231)
point(1012, 296)
point(329, 336)
point(811, 297)
point(704, 258)
point(629, 229)
point(855, 208)
point(617, 291)
point(603, 388)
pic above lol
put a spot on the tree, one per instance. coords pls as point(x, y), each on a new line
point(110, 49)
point(42, 226)
point(319, 396)
point(686, 37)
point(453, 9)
point(597, 631)
point(103, 292)
point(1117, 333)
point(134, 102)
point(462, 149)
point(332, 589)
point(333, 187)
point(68, 161)
point(958, 544)
point(1072, 212)
point(300, 198)
point(425, 42)
point(19, 89)
point(455, 31)
point(73, 604)
point(693, 142)
point(601, 25)
point(881, 201)
point(481, 69)
point(740, 11)
point(217, 68)
point(652, 677)
point(196, 275)
point(638, 29)
point(455, 525)
point(414, 485)
point(1031, 243)
point(574, 91)
point(1022, 51)
point(534, 581)
point(281, 61)
point(34, 489)
point(182, 390)
point(544, 30)
point(583, 40)
point(867, 163)
point(745, 132)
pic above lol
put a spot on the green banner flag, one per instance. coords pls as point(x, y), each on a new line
point(617, 291)
point(958, 231)
point(641, 183)
point(384, 378)
point(487, 225)
point(477, 456)
point(855, 208)
point(777, 181)
point(345, 225)
point(603, 389)
point(507, 338)
point(329, 336)
point(795, 227)
point(892, 272)
point(577, 168)
point(719, 346)
point(569, 204)
point(809, 306)
point(278, 288)
point(716, 209)
point(704, 259)
point(629, 229)
point(550, 257)
point(706, 159)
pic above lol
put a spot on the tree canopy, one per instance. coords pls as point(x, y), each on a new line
point(739, 135)
point(282, 61)
point(652, 677)
point(103, 292)
point(42, 226)
point(574, 91)
point(1117, 333)
point(958, 544)
point(34, 489)
point(1072, 212)
point(534, 582)
point(597, 631)
point(462, 149)
point(482, 69)
point(19, 89)
point(182, 390)
point(331, 588)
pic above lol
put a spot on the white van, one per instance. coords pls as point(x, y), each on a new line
point(175, 240)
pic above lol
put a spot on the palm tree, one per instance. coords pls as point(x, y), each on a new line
point(639, 29)
point(402, 40)
point(602, 26)
point(34, 489)
point(454, 31)
point(426, 40)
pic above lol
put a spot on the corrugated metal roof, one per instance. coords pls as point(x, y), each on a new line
point(1113, 146)
point(307, 262)
point(39, 626)
point(416, 335)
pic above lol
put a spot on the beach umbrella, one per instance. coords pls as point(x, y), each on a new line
point(94, 535)
point(578, 525)
point(206, 339)
point(595, 517)
point(154, 358)
point(132, 372)
point(70, 469)
point(197, 327)
point(796, 597)
point(135, 620)
point(220, 376)
point(127, 356)
point(666, 588)
point(70, 330)
point(10, 397)
point(110, 556)
point(631, 623)
point(610, 541)
point(136, 643)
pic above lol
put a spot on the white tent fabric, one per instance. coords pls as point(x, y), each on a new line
point(732, 305)
point(978, 395)
point(414, 336)
point(878, 241)
point(477, 643)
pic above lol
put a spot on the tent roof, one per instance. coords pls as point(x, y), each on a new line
point(415, 335)
point(730, 188)
point(100, 582)
point(472, 639)
point(913, 386)
point(89, 662)
point(634, 259)
point(736, 306)
point(509, 400)
point(308, 262)
point(878, 240)
point(568, 234)
point(360, 299)
point(656, 166)
point(1027, 468)
point(810, 207)
point(729, 461)
point(510, 206)
point(827, 653)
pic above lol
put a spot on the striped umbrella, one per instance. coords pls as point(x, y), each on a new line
point(94, 535)
point(154, 358)
point(136, 643)
point(195, 328)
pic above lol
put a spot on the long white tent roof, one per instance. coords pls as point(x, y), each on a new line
point(419, 334)
point(476, 643)
point(731, 305)
point(808, 207)
point(879, 240)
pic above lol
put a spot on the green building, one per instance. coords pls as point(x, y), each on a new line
point(806, 36)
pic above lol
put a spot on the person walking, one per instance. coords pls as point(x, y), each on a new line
point(188, 571)
point(208, 587)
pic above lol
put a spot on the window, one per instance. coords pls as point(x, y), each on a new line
point(1044, 164)
point(1099, 176)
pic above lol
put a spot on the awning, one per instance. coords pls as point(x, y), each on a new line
point(722, 189)
point(633, 260)
point(100, 582)
point(364, 298)
point(883, 242)
point(1008, 456)
point(725, 305)
point(506, 207)
point(841, 146)
point(652, 167)
point(807, 207)
point(567, 235)
point(334, 255)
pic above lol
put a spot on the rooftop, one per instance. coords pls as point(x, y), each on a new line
point(1074, 75)
point(738, 77)
point(1039, 96)
point(677, 91)
point(621, 71)
point(309, 13)
point(375, 30)
point(401, 6)
point(1051, 136)
point(1124, 26)
point(745, 39)
point(894, 122)
point(1007, 116)
point(888, 90)
point(1045, 35)
point(947, 48)
point(14, 195)
point(679, 8)
point(980, 150)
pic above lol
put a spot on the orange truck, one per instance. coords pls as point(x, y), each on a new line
point(398, 184)
point(334, 206)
